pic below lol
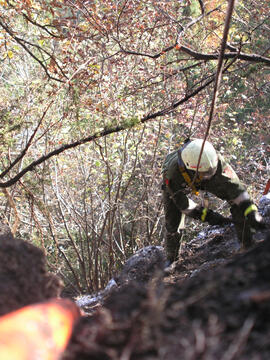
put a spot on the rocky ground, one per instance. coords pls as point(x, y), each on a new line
point(24, 279)
point(213, 303)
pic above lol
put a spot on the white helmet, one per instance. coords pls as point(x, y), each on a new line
point(209, 160)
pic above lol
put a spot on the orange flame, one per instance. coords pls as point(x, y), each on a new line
point(39, 331)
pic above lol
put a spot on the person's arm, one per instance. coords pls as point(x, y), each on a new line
point(251, 215)
point(206, 215)
point(227, 186)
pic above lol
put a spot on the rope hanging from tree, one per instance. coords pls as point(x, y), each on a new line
point(218, 75)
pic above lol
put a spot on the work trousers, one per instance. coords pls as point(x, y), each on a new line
point(173, 217)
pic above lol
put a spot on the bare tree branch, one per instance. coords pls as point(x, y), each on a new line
point(241, 56)
point(255, 58)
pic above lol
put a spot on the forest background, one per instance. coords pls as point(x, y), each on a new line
point(93, 96)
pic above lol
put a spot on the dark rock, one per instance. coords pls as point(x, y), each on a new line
point(264, 205)
point(24, 279)
point(5, 232)
point(143, 265)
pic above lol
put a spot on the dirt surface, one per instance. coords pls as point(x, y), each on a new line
point(214, 304)
point(24, 279)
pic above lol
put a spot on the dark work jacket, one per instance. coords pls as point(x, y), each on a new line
point(225, 184)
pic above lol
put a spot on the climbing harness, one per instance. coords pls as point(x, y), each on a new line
point(188, 180)
point(184, 172)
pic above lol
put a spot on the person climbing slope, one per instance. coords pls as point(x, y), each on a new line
point(215, 176)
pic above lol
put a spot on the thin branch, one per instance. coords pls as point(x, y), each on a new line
point(119, 16)
point(41, 50)
point(43, 27)
point(20, 42)
point(22, 154)
point(154, 56)
point(165, 76)
point(255, 58)
point(241, 56)
point(59, 151)
point(259, 25)
point(16, 214)
point(195, 21)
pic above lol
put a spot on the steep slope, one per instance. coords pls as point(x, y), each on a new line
point(214, 305)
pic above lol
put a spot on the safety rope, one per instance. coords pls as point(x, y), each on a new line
point(218, 76)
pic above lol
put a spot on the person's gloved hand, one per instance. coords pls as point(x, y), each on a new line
point(214, 218)
point(253, 218)
point(255, 221)
point(210, 216)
